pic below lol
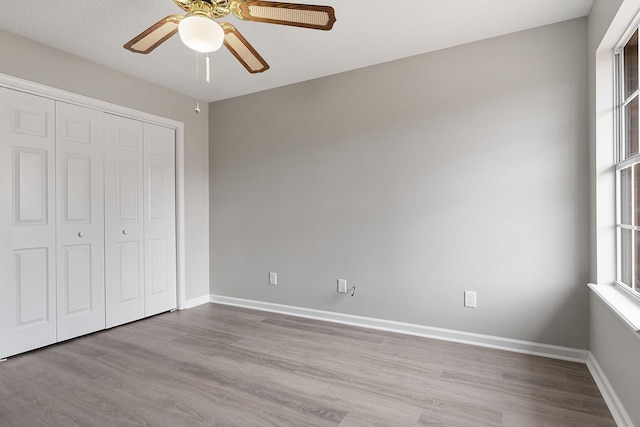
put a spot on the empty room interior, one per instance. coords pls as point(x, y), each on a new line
point(255, 213)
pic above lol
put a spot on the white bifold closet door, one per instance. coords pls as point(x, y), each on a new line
point(80, 220)
point(124, 227)
point(159, 219)
point(140, 245)
point(27, 222)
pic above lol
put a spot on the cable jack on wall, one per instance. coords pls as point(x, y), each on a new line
point(342, 288)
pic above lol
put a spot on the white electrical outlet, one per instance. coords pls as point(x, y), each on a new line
point(470, 299)
point(273, 278)
point(342, 286)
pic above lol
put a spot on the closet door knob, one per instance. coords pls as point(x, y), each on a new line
point(81, 234)
point(124, 231)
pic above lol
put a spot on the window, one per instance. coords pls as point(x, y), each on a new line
point(628, 165)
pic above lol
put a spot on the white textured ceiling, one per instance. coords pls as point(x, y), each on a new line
point(366, 33)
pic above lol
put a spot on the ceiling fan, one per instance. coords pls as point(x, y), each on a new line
point(200, 31)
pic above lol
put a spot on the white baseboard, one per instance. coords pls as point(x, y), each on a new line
point(618, 412)
point(518, 346)
point(194, 302)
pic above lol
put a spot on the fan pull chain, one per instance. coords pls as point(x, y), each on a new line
point(197, 110)
point(207, 78)
point(208, 70)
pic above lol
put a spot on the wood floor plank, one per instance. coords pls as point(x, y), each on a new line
point(547, 396)
point(358, 419)
point(216, 365)
point(459, 413)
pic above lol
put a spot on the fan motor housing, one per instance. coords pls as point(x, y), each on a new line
point(219, 8)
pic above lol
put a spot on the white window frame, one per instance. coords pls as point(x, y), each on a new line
point(621, 163)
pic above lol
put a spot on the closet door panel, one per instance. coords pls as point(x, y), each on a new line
point(124, 245)
point(32, 283)
point(27, 222)
point(30, 186)
point(159, 219)
point(80, 219)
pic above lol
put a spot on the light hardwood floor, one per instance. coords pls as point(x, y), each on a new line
point(223, 366)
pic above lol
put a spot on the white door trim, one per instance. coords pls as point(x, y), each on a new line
point(26, 86)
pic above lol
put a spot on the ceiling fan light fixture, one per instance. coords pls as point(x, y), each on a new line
point(201, 33)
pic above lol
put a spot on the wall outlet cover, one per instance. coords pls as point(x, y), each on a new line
point(342, 286)
point(470, 299)
point(273, 278)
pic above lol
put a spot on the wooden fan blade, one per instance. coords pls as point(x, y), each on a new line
point(293, 14)
point(242, 50)
point(155, 35)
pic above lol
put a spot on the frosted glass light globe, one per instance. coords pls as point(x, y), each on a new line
point(201, 33)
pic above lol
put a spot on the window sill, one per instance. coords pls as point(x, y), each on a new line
point(623, 304)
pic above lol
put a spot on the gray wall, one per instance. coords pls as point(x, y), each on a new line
point(38, 63)
point(463, 169)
